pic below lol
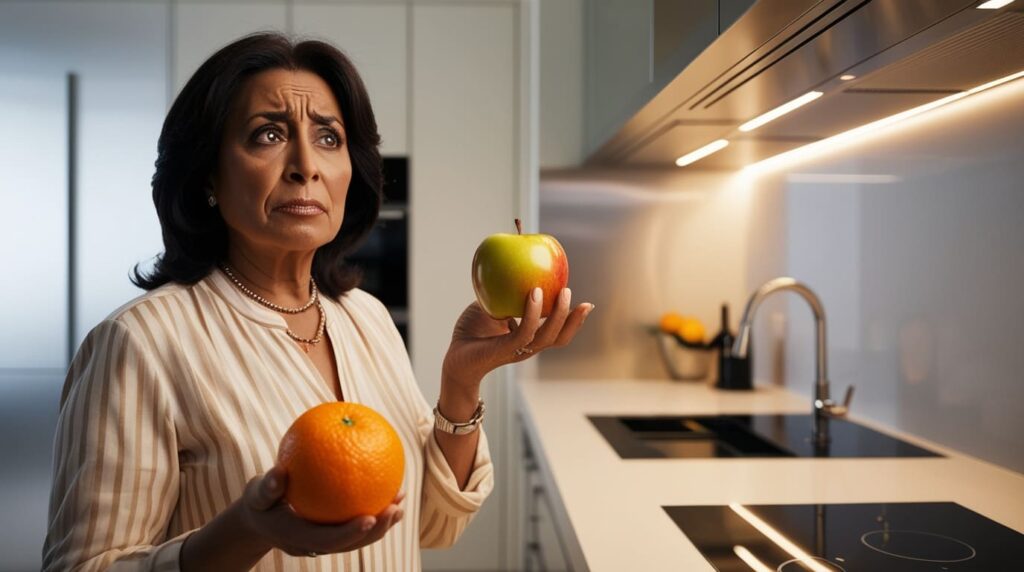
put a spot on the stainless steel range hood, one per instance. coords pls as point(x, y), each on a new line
point(903, 53)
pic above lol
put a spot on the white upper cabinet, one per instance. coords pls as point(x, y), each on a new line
point(375, 38)
point(634, 48)
point(200, 29)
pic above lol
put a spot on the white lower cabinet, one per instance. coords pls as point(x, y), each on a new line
point(545, 547)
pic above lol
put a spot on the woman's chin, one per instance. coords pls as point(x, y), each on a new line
point(301, 237)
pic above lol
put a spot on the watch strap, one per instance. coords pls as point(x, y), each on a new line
point(448, 426)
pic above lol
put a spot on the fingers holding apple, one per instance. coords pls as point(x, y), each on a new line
point(572, 325)
point(549, 330)
point(526, 331)
point(556, 330)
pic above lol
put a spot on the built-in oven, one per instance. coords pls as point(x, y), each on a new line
point(384, 256)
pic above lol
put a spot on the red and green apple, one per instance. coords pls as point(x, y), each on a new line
point(507, 267)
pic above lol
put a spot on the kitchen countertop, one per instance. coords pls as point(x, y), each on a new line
point(614, 506)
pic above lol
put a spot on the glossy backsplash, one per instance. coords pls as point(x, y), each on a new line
point(913, 240)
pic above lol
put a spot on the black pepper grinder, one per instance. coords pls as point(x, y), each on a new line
point(733, 372)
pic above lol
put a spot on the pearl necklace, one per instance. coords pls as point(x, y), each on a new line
point(306, 343)
point(268, 303)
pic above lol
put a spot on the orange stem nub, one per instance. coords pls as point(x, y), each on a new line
point(519, 226)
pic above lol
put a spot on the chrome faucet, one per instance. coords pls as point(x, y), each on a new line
point(824, 407)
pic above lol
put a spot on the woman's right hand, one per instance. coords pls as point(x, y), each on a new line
point(267, 515)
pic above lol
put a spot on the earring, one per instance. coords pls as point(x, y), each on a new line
point(212, 200)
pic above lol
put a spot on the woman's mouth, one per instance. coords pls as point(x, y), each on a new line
point(301, 208)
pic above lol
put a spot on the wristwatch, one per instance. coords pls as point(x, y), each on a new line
point(444, 424)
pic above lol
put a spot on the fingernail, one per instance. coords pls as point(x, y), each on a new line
point(566, 295)
point(587, 312)
point(538, 294)
point(367, 524)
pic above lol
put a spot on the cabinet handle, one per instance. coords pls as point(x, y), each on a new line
point(72, 142)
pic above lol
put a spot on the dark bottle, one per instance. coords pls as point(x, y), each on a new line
point(733, 372)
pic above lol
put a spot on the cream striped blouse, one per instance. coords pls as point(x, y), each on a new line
point(182, 395)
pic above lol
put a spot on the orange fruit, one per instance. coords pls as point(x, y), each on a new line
point(344, 460)
point(670, 322)
point(691, 330)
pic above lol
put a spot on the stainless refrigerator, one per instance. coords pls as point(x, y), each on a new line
point(83, 91)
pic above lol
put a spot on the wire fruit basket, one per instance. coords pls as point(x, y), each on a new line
point(685, 361)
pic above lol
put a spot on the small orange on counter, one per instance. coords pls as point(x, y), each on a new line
point(691, 330)
point(670, 322)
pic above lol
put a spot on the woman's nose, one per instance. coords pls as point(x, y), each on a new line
point(302, 168)
point(301, 178)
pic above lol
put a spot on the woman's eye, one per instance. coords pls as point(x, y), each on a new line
point(334, 140)
point(268, 133)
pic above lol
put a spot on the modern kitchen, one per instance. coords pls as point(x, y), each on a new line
point(797, 221)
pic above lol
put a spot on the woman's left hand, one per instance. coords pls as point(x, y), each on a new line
point(481, 343)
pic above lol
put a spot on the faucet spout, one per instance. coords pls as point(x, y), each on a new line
point(823, 405)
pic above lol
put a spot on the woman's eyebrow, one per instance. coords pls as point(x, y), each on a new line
point(325, 119)
point(284, 117)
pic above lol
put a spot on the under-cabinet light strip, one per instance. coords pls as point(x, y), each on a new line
point(994, 4)
point(704, 151)
point(781, 110)
point(847, 137)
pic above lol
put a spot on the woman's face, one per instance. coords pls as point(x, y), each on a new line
point(284, 167)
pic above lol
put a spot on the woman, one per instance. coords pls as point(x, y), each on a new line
point(267, 174)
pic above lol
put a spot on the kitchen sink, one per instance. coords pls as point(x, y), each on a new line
point(725, 436)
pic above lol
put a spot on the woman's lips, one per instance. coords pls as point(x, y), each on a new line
point(301, 210)
point(302, 207)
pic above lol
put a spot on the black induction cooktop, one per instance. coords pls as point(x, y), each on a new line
point(869, 537)
point(725, 436)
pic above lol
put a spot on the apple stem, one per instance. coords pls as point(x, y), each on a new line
point(519, 226)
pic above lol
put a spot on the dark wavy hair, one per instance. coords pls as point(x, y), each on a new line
point(195, 235)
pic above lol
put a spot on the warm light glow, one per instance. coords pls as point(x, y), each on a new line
point(780, 110)
point(847, 77)
point(778, 538)
point(750, 560)
point(704, 151)
point(994, 4)
point(849, 137)
point(842, 178)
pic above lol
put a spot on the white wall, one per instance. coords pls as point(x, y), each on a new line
point(913, 239)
